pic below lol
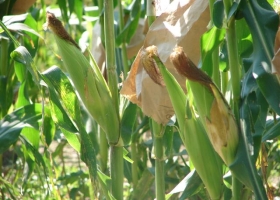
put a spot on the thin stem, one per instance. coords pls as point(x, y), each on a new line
point(110, 51)
point(216, 70)
point(235, 80)
point(224, 77)
point(116, 152)
point(134, 165)
point(100, 8)
point(160, 183)
point(159, 157)
point(116, 166)
point(236, 188)
point(233, 60)
point(4, 56)
point(1, 163)
point(103, 149)
point(123, 46)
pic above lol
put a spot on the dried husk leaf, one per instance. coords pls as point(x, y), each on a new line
point(222, 128)
point(150, 66)
point(182, 23)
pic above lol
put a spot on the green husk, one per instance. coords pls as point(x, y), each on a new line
point(91, 87)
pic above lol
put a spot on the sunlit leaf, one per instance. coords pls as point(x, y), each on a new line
point(12, 124)
point(209, 42)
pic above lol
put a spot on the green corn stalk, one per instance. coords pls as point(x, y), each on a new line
point(88, 81)
point(191, 130)
point(158, 132)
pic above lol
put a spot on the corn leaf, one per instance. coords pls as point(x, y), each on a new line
point(263, 24)
point(12, 124)
point(190, 185)
point(209, 42)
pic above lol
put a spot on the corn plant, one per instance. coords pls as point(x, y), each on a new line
point(219, 144)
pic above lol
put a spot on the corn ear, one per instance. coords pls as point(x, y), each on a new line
point(192, 132)
point(213, 109)
point(90, 85)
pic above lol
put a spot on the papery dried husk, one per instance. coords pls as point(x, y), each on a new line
point(182, 24)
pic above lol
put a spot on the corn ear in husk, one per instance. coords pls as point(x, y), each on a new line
point(192, 131)
point(213, 109)
point(88, 81)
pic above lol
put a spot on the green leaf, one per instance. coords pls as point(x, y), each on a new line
point(12, 188)
point(22, 99)
point(24, 27)
point(31, 39)
point(168, 140)
point(125, 156)
point(244, 39)
point(244, 169)
point(190, 185)
point(218, 13)
point(64, 10)
point(73, 177)
point(88, 152)
point(209, 42)
point(128, 123)
point(131, 24)
point(79, 9)
point(105, 184)
point(272, 132)
point(142, 190)
point(12, 124)
point(16, 43)
point(72, 139)
point(232, 11)
point(263, 24)
point(62, 98)
point(21, 54)
point(32, 136)
point(71, 6)
point(48, 128)
point(67, 109)
point(244, 165)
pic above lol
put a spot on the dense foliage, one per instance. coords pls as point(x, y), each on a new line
point(67, 133)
